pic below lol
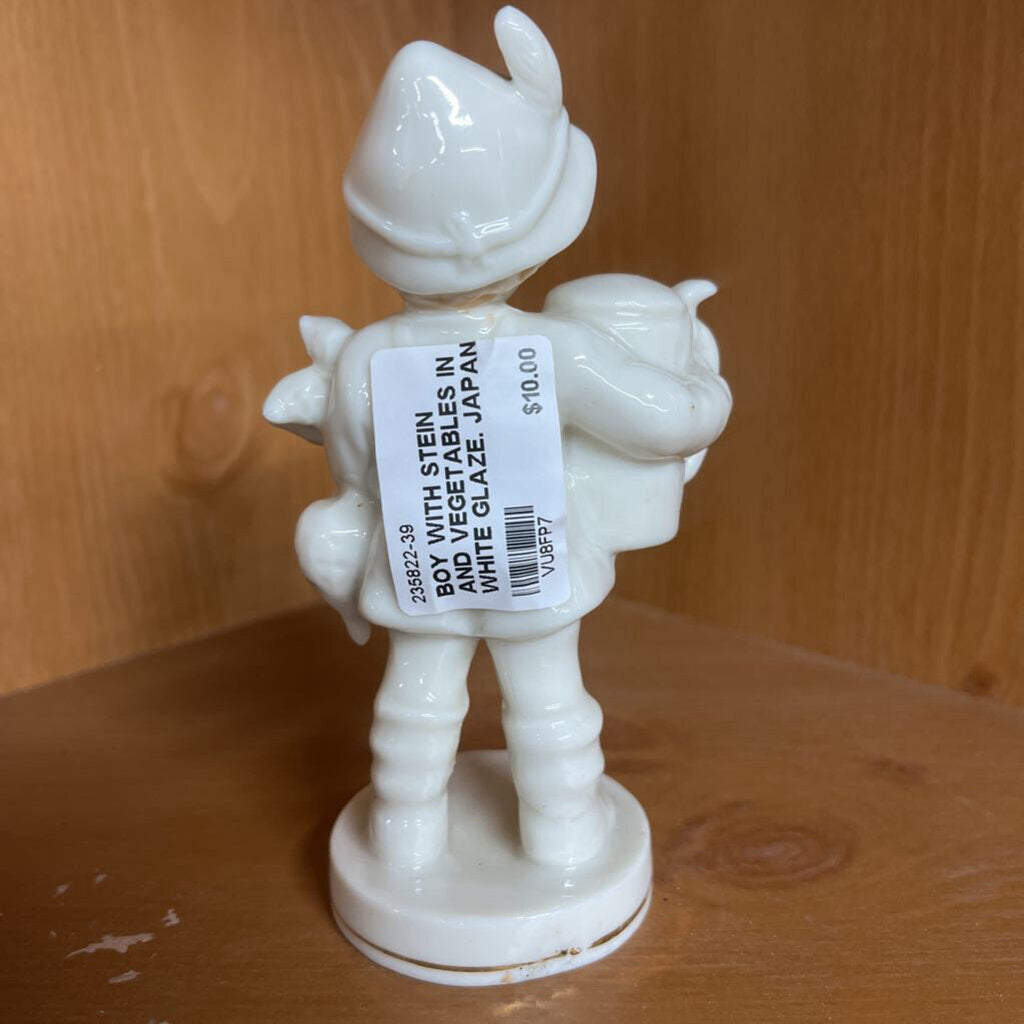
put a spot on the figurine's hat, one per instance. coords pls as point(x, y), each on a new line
point(460, 177)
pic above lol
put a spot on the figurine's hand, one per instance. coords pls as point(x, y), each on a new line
point(331, 539)
point(699, 410)
point(703, 349)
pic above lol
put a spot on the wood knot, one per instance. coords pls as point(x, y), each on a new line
point(979, 681)
point(743, 846)
point(906, 773)
point(207, 428)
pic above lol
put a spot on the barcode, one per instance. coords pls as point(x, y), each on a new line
point(521, 548)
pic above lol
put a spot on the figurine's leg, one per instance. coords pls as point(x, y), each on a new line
point(417, 719)
point(552, 726)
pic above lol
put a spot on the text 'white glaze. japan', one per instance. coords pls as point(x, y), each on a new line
point(490, 465)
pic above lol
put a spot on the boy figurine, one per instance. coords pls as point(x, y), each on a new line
point(461, 185)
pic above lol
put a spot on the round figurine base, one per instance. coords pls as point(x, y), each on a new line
point(485, 914)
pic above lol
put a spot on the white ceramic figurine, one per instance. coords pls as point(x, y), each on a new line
point(490, 465)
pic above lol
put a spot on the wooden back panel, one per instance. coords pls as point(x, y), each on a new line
point(170, 203)
point(849, 173)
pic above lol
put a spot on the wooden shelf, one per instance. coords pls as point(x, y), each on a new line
point(831, 844)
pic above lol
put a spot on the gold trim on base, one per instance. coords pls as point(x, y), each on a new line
point(571, 951)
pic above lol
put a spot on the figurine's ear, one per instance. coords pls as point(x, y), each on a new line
point(323, 337)
point(531, 61)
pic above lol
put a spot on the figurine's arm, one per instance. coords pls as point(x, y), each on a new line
point(350, 413)
point(635, 407)
point(333, 536)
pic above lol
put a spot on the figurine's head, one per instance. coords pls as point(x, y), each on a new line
point(461, 178)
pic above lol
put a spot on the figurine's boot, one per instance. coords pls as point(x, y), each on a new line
point(552, 726)
point(417, 719)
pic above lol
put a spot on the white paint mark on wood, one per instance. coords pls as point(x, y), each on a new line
point(170, 919)
point(127, 976)
point(118, 943)
point(61, 889)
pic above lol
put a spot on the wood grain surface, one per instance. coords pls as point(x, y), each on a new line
point(831, 844)
point(852, 176)
point(170, 203)
point(850, 173)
